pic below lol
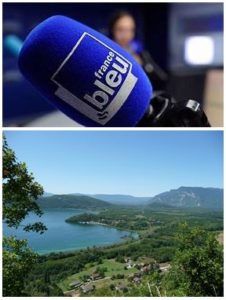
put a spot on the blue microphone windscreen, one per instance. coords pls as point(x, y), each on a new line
point(84, 74)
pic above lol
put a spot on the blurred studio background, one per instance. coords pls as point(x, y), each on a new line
point(180, 46)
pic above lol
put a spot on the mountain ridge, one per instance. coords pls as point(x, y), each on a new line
point(184, 197)
point(187, 197)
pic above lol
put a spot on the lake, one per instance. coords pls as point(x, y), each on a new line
point(62, 236)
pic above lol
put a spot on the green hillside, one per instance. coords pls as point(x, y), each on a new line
point(72, 201)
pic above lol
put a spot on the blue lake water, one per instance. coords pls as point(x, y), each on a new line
point(62, 236)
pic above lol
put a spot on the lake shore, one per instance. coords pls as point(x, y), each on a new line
point(67, 237)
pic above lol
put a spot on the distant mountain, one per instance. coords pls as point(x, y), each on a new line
point(72, 201)
point(184, 197)
point(123, 199)
point(46, 194)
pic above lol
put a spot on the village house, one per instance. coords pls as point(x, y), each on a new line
point(88, 288)
point(137, 280)
point(147, 268)
point(141, 265)
point(75, 284)
point(95, 276)
point(164, 267)
point(129, 263)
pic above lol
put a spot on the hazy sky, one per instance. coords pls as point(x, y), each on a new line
point(120, 162)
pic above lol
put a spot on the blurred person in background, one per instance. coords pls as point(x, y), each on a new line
point(122, 29)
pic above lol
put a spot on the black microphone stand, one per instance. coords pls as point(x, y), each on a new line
point(165, 111)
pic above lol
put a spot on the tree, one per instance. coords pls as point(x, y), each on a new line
point(17, 262)
point(119, 276)
point(101, 271)
point(197, 269)
point(84, 277)
point(48, 288)
point(120, 259)
point(20, 192)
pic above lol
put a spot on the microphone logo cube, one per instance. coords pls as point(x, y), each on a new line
point(94, 79)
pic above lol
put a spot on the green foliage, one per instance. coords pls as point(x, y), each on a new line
point(198, 264)
point(72, 201)
point(84, 277)
point(59, 266)
point(104, 292)
point(54, 290)
point(41, 288)
point(101, 271)
point(120, 259)
point(17, 262)
point(122, 218)
point(100, 261)
point(45, 287)
point(119, 276)
point(148, 286)
point(20, 192)
point(163, 221)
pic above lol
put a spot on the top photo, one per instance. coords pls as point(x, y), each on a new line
point(113, 64)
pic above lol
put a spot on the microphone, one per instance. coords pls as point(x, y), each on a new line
point(85, 74)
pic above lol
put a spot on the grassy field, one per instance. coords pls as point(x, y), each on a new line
point(113, 268)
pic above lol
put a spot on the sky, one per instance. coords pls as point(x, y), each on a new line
point(138, 163)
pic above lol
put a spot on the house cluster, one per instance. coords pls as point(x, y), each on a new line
point(143, 269)
point(136, 277)
point(86, 288)
point(147, 267)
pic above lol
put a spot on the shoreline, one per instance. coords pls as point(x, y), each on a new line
point(122, 240)
point(104, 224)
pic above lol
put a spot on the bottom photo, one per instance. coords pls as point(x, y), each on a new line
point(113, 213)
